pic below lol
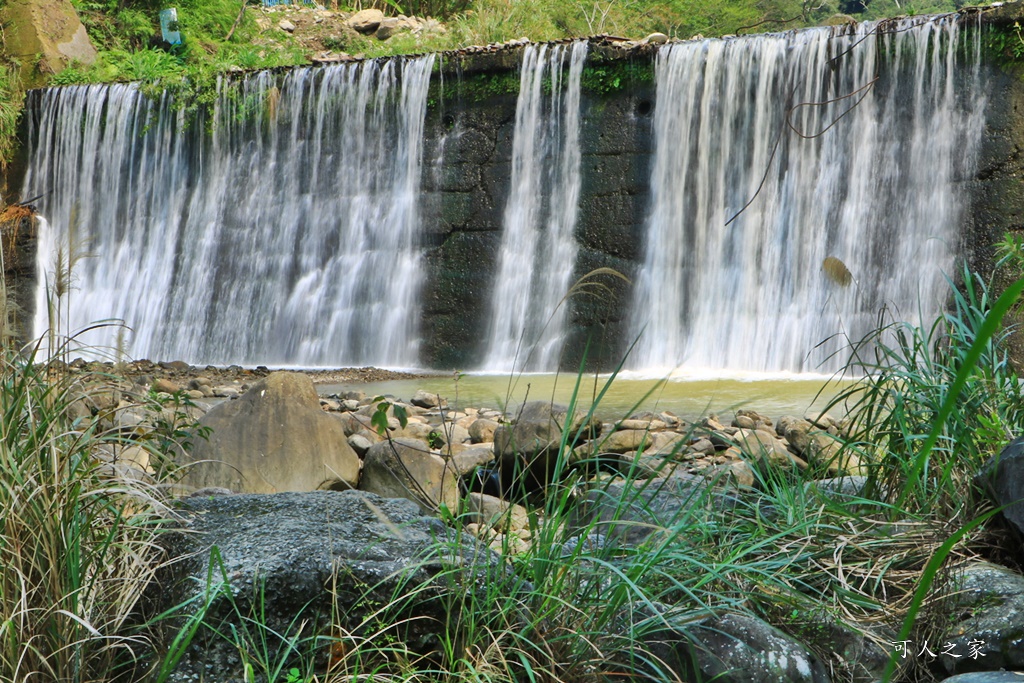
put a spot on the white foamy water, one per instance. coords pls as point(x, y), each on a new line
point(538, 248)
point(861, 170)
point(287, 234)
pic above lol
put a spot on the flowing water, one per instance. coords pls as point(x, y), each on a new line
point(779, 154)
point(288, 234)
point(538, 247)
point(800, 182)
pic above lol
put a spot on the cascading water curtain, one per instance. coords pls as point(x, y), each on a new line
point(288, 234)
point(848, 146)
point(538, 248)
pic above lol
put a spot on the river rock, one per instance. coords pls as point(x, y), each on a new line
point(405, 468)
point(273, 438)
point(734, 648)
point(534, 438)
point(764, 447)
point(1003, 477)
point(481, 430)
point(366, 21)
point(427, 399)
point(389, 26)
point(323, 555)
point(495, 513)
point(992, 634)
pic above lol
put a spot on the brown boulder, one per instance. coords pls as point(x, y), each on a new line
point(271, 439)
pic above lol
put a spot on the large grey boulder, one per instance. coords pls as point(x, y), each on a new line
point(1003, 476)
point(534, 438)
point(273, 438)
point(405, 468)
point(992, 635)
point(261, 565)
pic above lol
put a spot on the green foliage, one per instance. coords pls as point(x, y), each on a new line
point(12, 102)
point(379, 419)
point(912, 374)
point(1004, 44)
point(78, 518)
point(612, 77)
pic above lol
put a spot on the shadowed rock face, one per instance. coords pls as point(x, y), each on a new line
point(319, 558)
point(273, 438)
point(49, 30)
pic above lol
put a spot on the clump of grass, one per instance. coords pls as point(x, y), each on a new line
point(77, 529)
point(911, 374)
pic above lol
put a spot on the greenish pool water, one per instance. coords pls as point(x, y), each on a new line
point(687, 397)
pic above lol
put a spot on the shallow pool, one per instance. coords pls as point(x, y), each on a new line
point(688, 397)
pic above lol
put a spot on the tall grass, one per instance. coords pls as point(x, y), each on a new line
point(77, 526)
point(935, 402)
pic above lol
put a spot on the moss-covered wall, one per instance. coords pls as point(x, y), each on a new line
point(470, 125)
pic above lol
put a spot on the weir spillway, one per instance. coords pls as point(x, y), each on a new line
point(405, 213)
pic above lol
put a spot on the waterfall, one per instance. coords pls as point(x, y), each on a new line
point(286, 234)
point(538, 248)
point(848, 145)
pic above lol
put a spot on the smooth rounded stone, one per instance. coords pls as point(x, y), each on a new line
point(330, 405)
point(165, 386)
point(350, 404)
point(195, 394)
point(360, 443)
point(227, 392)
point(357, 396)
point(744, 422)
point(822, 420)
point(702, 446)
point(199, 382)
point(630, 511)
point(475, 456)
point(993, 597)
point(735, 648)
point(417, 430)
point(536, 434)
point(481, 430)
point(176, 366)
point(738, 473)
point(389, 26)
point(286, 26)
point(79, 410)
point(509, 544)
point(273, 438)
point(642, 425)
point(763, 446)
point(496, 513)
point(1003, 477)
point(132, 419)
point(426, 399)
point(405, 468)
point(666, 443)
point(366, 21)
point(353, 423)
point(454, 434)
point(642, 465)
point(133, 462)
point(466, 421)
point(625, 440)
point(656, 38)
